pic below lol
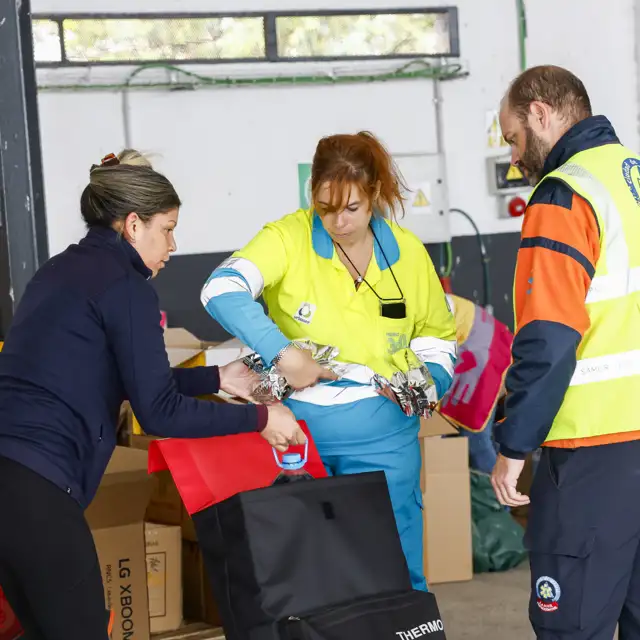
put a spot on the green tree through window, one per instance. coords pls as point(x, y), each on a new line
point(220, 38)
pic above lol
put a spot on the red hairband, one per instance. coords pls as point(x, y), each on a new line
point(108, 161)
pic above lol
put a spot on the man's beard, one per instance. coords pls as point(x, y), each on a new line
point(533, 159)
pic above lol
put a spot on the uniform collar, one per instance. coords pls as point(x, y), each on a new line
point(589, 133)
point(323, 245)
point(107, 237)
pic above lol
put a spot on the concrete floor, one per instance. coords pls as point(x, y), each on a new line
point(492, 605)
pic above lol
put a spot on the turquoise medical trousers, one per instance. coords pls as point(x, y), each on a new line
point(402, 469)
point(374, 435)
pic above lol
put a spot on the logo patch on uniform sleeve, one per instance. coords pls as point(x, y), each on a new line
point(305, 313)
point(548, 593)
point(631, 174)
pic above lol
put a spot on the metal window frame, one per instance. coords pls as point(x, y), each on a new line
point(269, 19)
point(452, 12)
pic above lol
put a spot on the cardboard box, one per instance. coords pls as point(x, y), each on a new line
point(447, 510)
point(226, 352)
point(197, 631)
point(164, 576)
point(116, 520)
point(436, 425)
point(165, 505)
point(184, 349)
point(199, 603)
point(433, 427)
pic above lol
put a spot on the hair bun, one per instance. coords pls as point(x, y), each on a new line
point(134, 158)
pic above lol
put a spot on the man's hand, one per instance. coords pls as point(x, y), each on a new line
point(238, 380)
point(505, 479)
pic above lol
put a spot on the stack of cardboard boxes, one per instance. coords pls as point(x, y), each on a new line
point(151, 565)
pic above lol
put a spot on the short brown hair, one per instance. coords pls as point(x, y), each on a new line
point(360, 159)
point(554, 86)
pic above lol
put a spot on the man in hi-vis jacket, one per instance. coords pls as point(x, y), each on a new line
point(574, 381)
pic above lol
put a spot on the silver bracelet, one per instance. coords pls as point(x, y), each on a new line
point(280, 353)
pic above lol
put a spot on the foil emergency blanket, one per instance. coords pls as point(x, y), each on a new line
point(414, 390)
point(273, 386)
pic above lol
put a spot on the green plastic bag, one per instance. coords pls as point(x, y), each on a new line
point(497, 538)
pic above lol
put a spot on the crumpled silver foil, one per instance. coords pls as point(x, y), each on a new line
point(273, 386)
point(414, 390)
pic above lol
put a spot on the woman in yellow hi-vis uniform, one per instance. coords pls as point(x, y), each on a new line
point(345, 274)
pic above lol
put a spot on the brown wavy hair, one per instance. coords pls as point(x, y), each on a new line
point(358, 159)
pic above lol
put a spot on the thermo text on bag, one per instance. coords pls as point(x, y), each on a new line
point(422, 630)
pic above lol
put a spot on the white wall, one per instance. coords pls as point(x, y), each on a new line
point(233, 153)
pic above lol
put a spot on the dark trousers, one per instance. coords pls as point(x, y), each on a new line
point(49, 568)
point(583, 535)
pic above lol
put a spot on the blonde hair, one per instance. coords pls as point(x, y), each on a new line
point(124, 184)
point(134, 158)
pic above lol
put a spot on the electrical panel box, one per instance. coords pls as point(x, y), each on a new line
point(510, 186)
point(427, 198)
point(505, 178)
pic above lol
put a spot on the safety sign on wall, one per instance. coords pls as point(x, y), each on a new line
point(494, 132)
point(304, 185)
point(419, 198)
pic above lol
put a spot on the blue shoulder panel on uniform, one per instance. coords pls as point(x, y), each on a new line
point(387, 241)
point(385, 257)
point(544, 359)
point(440, 377)
point(322, 243)
point(554, 192)
point(241, 316)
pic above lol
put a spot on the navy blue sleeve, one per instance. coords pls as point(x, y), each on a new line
point(131, 316)
point(197, 381)
point(544, 359)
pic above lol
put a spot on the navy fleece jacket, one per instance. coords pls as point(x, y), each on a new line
point(86, 336)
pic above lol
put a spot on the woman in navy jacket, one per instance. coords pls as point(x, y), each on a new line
point(86, 336)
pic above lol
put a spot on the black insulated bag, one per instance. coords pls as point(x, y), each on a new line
point(411, 615)
point(324, 546)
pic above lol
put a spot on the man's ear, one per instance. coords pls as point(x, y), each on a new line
point(539, 116)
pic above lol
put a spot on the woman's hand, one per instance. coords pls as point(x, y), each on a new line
point(301, 370)
point(282, 428)
point(388, 393)
point(238, 380)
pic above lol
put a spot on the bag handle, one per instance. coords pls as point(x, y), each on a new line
point(300, 464)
